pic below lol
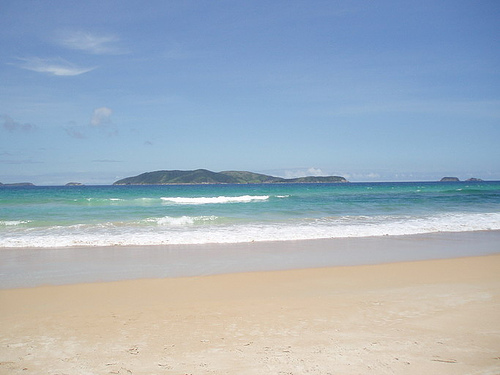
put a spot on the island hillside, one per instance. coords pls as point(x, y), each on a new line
point(203, 176)
point(473, 179)
point(449, 179)
point(456, 179)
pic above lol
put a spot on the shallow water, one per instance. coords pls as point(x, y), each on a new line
point(200, 214)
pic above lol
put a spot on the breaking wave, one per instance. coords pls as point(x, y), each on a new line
point(215, 200)
point(185, 230)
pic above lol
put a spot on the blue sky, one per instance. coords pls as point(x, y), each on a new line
point(93, 91)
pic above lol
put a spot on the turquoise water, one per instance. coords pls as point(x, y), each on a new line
point(196, 214)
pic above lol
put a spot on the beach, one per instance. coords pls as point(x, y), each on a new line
point(249, 188)
point(437, 316)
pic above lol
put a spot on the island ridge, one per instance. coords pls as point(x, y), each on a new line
point(203, 176)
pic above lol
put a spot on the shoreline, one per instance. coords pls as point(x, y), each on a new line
point(433, 317)
point(31, 267)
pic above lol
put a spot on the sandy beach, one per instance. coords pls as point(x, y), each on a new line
point(424, 317)
point(29, 267)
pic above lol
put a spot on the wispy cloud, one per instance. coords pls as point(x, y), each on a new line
point(75, 132)
point(486, 108)
point(106, 161)
point(101, 116)
point(57, 67)
point(9, 124)
point(20, 161)
point(105, 44)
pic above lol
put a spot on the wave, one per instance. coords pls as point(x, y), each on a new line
point(215, 200)
point(175, 200)
point(467, 190)
point(100, 200)
point(180, 221)
point(185, 230)
point(104, 202)
point(12, 223)
point(151, 201)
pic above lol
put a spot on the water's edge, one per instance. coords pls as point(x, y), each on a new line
point(29, 267)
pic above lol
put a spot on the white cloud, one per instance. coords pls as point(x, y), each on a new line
point(91, 43)
point(302, 172)
point(315, 172)
point(363, 176)
point(57, 67)
point(101, 116)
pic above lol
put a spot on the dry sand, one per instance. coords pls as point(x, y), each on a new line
point(428, 317)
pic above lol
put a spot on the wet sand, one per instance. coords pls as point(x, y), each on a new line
point(423, 317)
point(25, 267)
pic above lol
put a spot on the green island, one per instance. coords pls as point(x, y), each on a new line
point(204, 176)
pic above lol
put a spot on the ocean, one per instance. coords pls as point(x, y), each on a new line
point(102, 216)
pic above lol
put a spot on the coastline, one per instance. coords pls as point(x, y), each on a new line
point(30, 267)
point(432, 317)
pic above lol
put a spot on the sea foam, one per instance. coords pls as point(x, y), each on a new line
point(184, 231)
point(180, 221)
point(9, 223)
point(215, 200)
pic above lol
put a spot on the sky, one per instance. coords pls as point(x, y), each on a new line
point(94, 91)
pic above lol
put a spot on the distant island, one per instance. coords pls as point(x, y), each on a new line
point(74, 184)
point(455, 179)
point(473, 179)
point(203, 176)
point(18, 184)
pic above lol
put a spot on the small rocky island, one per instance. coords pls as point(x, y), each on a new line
point(74, 184)
point(18, 184)
point(455, 179)
point(203, 176)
